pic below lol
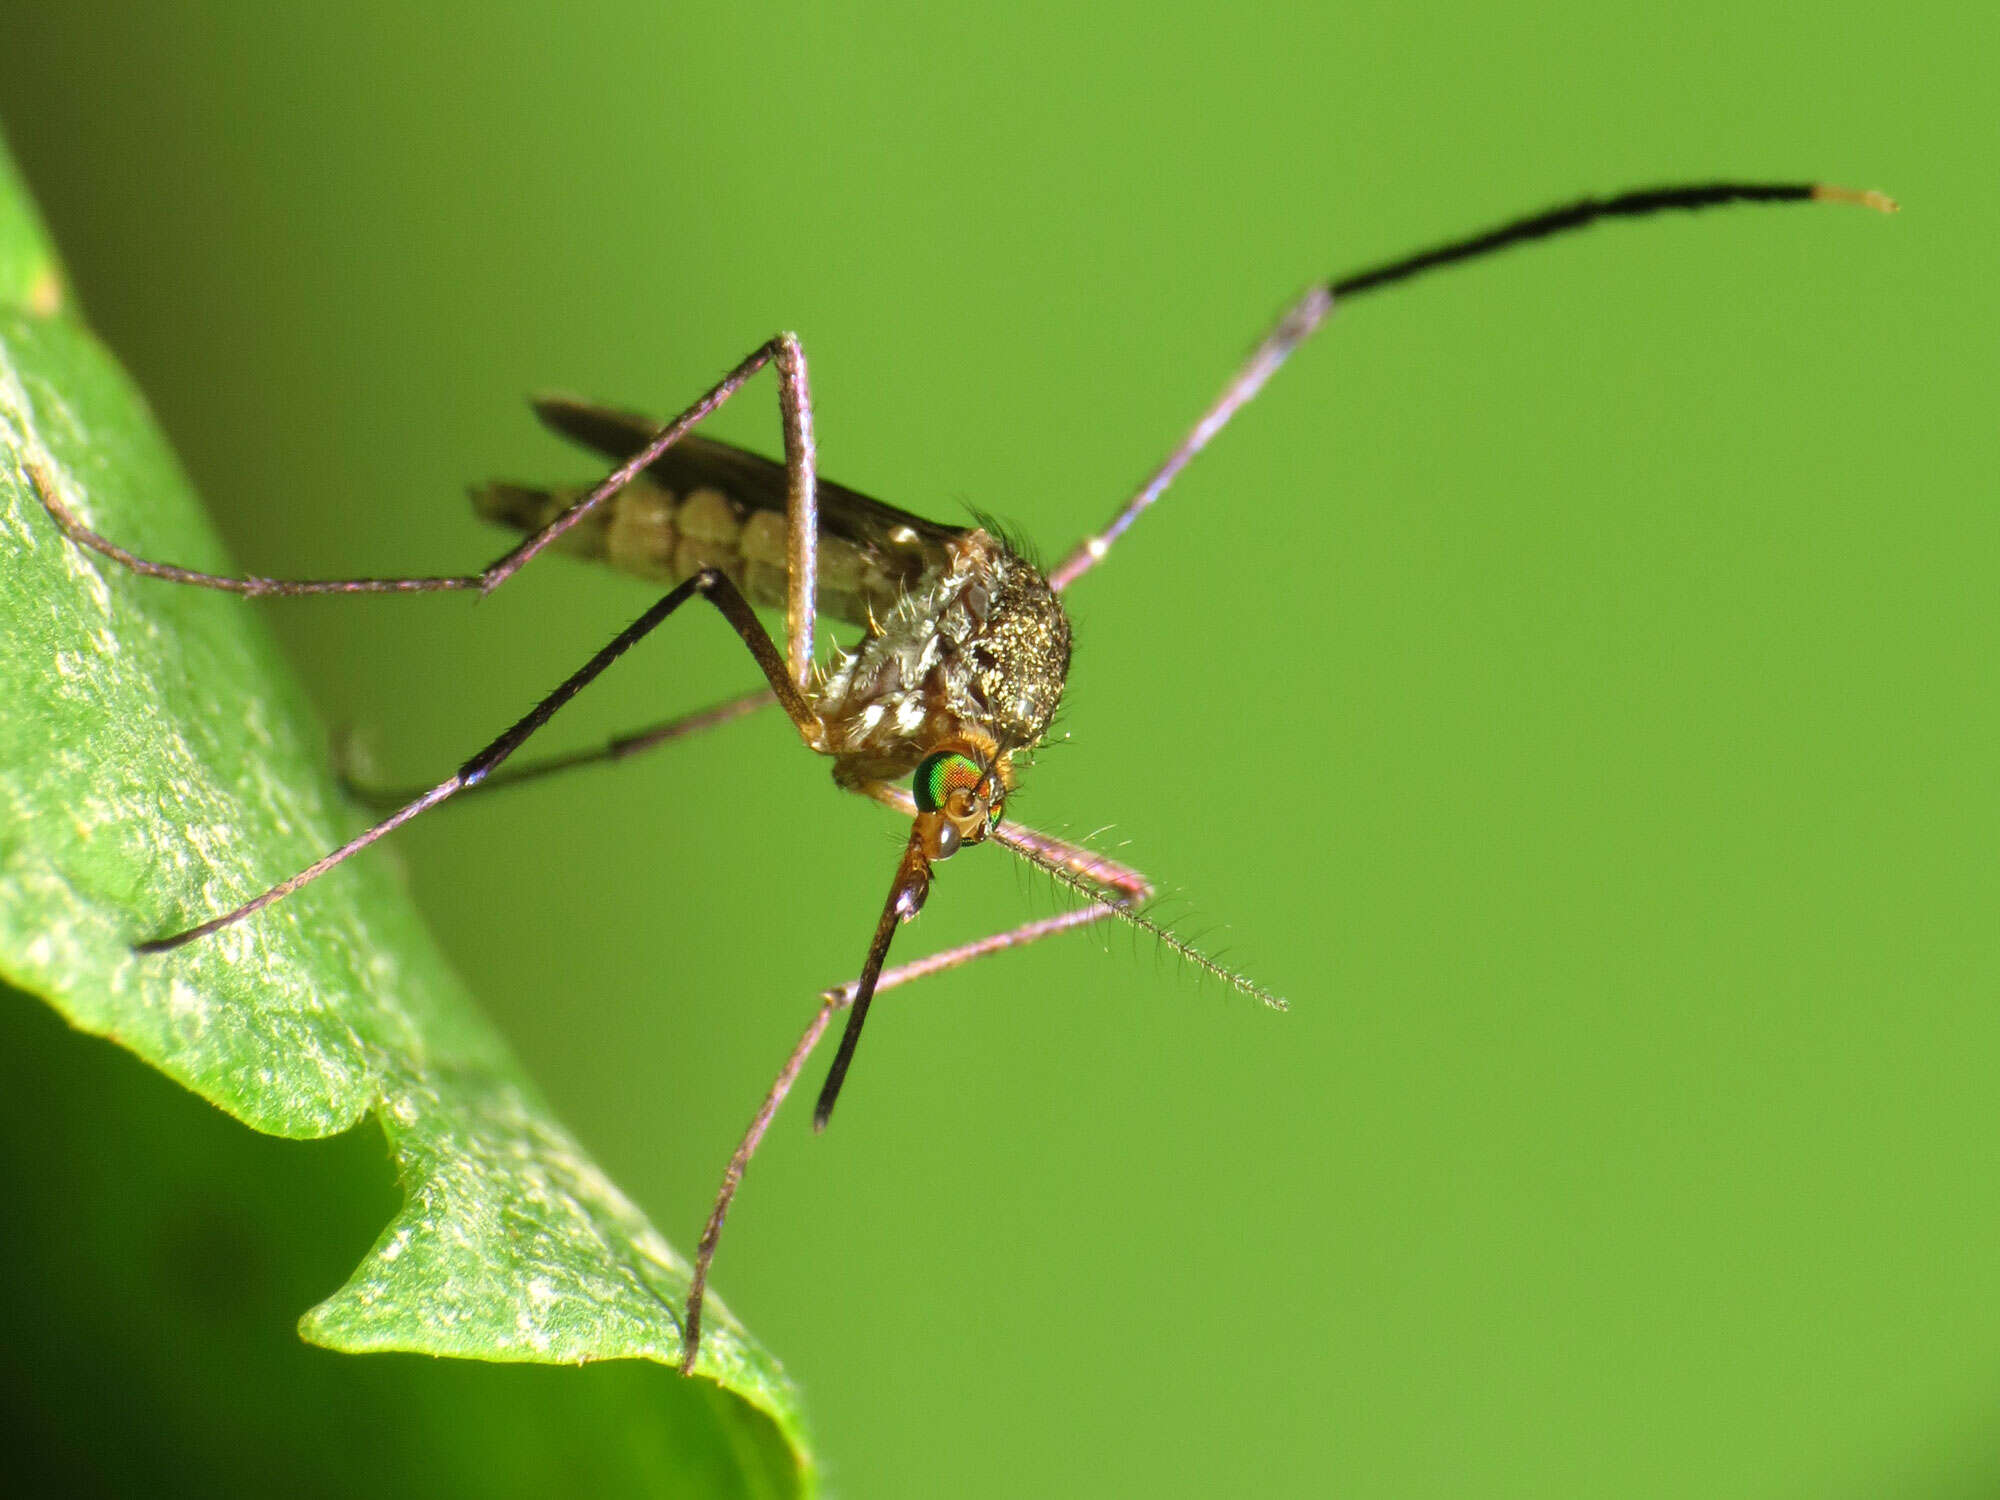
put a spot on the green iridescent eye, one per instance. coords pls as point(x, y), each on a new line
point(942, 774)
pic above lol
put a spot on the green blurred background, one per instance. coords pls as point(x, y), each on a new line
point(1571, 685)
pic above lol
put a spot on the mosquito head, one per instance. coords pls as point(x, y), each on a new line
point(960, 795)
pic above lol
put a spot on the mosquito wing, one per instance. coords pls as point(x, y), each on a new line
point(708, 504)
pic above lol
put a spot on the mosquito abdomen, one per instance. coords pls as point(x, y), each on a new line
point(652, 533)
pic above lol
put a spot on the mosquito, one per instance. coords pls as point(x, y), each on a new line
point(963, 650)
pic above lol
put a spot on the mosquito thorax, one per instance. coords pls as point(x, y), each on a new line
point(972, 658)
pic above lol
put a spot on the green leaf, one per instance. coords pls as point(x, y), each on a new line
point(30, 276)
point(157, 764)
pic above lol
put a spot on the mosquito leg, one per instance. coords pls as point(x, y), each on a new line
point(621, 747)
point(1118, 888)
point(733, 1175)
point(1301, 319)
point(801, 508)
point(1306, 315)
point(1129, 885)
point(710, 584)
point(251, 586)
point(795, 406)
point(965, 953)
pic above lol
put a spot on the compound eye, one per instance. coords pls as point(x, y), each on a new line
point(946, 782)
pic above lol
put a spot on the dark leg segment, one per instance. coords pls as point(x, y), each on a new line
point(709, 583)
point(310, 873)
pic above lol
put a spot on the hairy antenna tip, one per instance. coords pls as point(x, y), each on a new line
point(1882, 203)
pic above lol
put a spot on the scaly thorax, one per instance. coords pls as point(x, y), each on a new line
point(975, 654)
